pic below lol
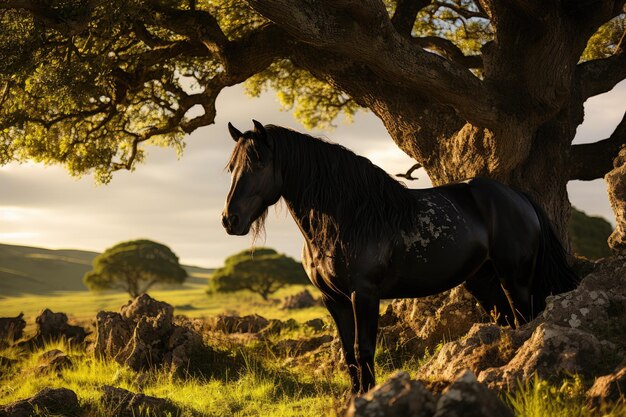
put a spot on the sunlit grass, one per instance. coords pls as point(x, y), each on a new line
point(257, 391)
point(540, 398)
point(192, 301)
point(266, 386)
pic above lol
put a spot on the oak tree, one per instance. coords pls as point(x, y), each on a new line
point(262, 271)
point(134, 266)
point(465, 87)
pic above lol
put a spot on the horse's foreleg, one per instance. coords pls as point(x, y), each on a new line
point(341, 311)
point(365, 304)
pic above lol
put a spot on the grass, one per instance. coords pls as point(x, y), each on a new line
point(258, 391)
point(190, 300)
point(539, 398)
point(267, 385)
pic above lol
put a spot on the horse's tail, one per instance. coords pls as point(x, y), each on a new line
point(552, 274)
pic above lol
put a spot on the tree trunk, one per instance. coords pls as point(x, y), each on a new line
point(542, 171)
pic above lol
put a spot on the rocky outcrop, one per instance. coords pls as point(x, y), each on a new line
point(295, 347)
point(54, 326)
point(57, 401)
point(410, 328)
point(580, 332)
point(252, 323)
point(11, 328)
point(122, 403)
point(402, 397)
point(303, 299)
point(616, 186)
point(52, 361)
point(609, 388)
point(143, 335)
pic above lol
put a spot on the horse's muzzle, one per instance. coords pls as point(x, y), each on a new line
point(232, 225)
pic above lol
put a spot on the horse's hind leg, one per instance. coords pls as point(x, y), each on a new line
point(485, 286)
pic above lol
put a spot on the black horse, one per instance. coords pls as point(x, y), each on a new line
point(368, 238)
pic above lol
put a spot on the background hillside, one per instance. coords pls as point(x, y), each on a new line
point(31, 270)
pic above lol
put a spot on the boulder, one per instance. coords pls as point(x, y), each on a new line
point(484, 346)
point(144, 336)
point(11, 328)
point(410, 328)
point(123, 403)
point(315, 324)
point(5, 365)
point(466, 397)
point(51, 401)
point(399, 396)
point(53, 360)
point(252, 323)
point(609, 388)
point(54, 326)
point(295, 347)
point(580, 332)
point(303, 299)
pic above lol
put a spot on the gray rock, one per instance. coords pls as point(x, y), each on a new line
point(303, 299)
point(399, 396)
point(300, 346)
point(55, 401)
point(53, 360)
point(252, 323)
point(608, 388)
point(54, 326)
point(144, 336)
point(580, 332)
point(315, 324)
point(410, 328)
point(11, 328)
point(123, 403)
point(466, 397)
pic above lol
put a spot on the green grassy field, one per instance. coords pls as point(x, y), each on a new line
point(190, 300)
point(26, 270)
point(268, 385)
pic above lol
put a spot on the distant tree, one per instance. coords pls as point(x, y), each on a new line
point(134, 266)
point(263, 271)
point(589, 235)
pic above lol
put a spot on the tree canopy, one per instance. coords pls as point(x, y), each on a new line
point(262, 271)
point(465, 87)
point(134, 266)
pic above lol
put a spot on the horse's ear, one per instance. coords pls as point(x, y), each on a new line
point(259, 129)
point(234, 132)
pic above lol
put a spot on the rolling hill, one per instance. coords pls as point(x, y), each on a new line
point(31, 270)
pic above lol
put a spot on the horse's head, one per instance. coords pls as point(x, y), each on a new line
point(255, 182)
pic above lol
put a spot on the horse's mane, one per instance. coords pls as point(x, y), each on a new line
point(351, 200)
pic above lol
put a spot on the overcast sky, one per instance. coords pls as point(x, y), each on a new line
point(178, 202)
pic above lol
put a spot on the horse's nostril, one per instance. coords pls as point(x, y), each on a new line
point(224, 221)
point(233, 219)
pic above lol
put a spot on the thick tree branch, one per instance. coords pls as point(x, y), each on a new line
point(405, 14)
point(601, 75)
point(450, 51)
point(594, 160)
point(196, 25)
point(368, 37)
